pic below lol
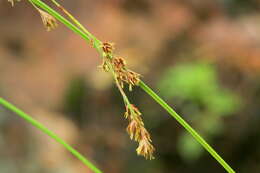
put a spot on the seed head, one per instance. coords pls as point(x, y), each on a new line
point(137, 132)
point(145, 149)
point(48, 20)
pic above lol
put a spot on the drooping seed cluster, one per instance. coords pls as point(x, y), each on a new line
point(123, 75)
point(137, 132)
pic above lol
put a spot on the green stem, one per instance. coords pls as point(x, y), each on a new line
point(74, 20)
point(45, 130)
point(160, 101)
point(142, 85)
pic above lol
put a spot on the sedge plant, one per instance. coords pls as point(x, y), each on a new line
point(122, 76)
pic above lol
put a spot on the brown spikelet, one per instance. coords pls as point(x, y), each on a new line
point(123, 74)
point(108, 47)
point(118, 65)
point(48, 20)
point(137, 132)
point(133, 129)
point(145, 149)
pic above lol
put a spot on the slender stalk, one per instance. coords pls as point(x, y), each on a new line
point(45, 130)
point(72, 18)
point(161, 102)
point(149, 91)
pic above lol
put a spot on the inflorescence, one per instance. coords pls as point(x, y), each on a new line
point(122, 75)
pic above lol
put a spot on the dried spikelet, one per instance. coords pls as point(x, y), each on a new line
point(145, 149)
point(118, 65)
point(48, 20)
point(13, 1)
point(108, 47)
point(133, 129)
point(135, 110)
point(137, 132)
point(123, 74)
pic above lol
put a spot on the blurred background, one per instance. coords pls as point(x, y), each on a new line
point(202, 56)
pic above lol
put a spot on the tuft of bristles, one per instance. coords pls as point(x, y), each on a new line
point(48, 20)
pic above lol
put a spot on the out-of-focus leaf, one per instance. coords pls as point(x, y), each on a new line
point(189, 81)
point(204, 99)
point(198, 83)
point(188, 148)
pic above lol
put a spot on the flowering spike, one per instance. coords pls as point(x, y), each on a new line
point(122, 75)
point(138, 133)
